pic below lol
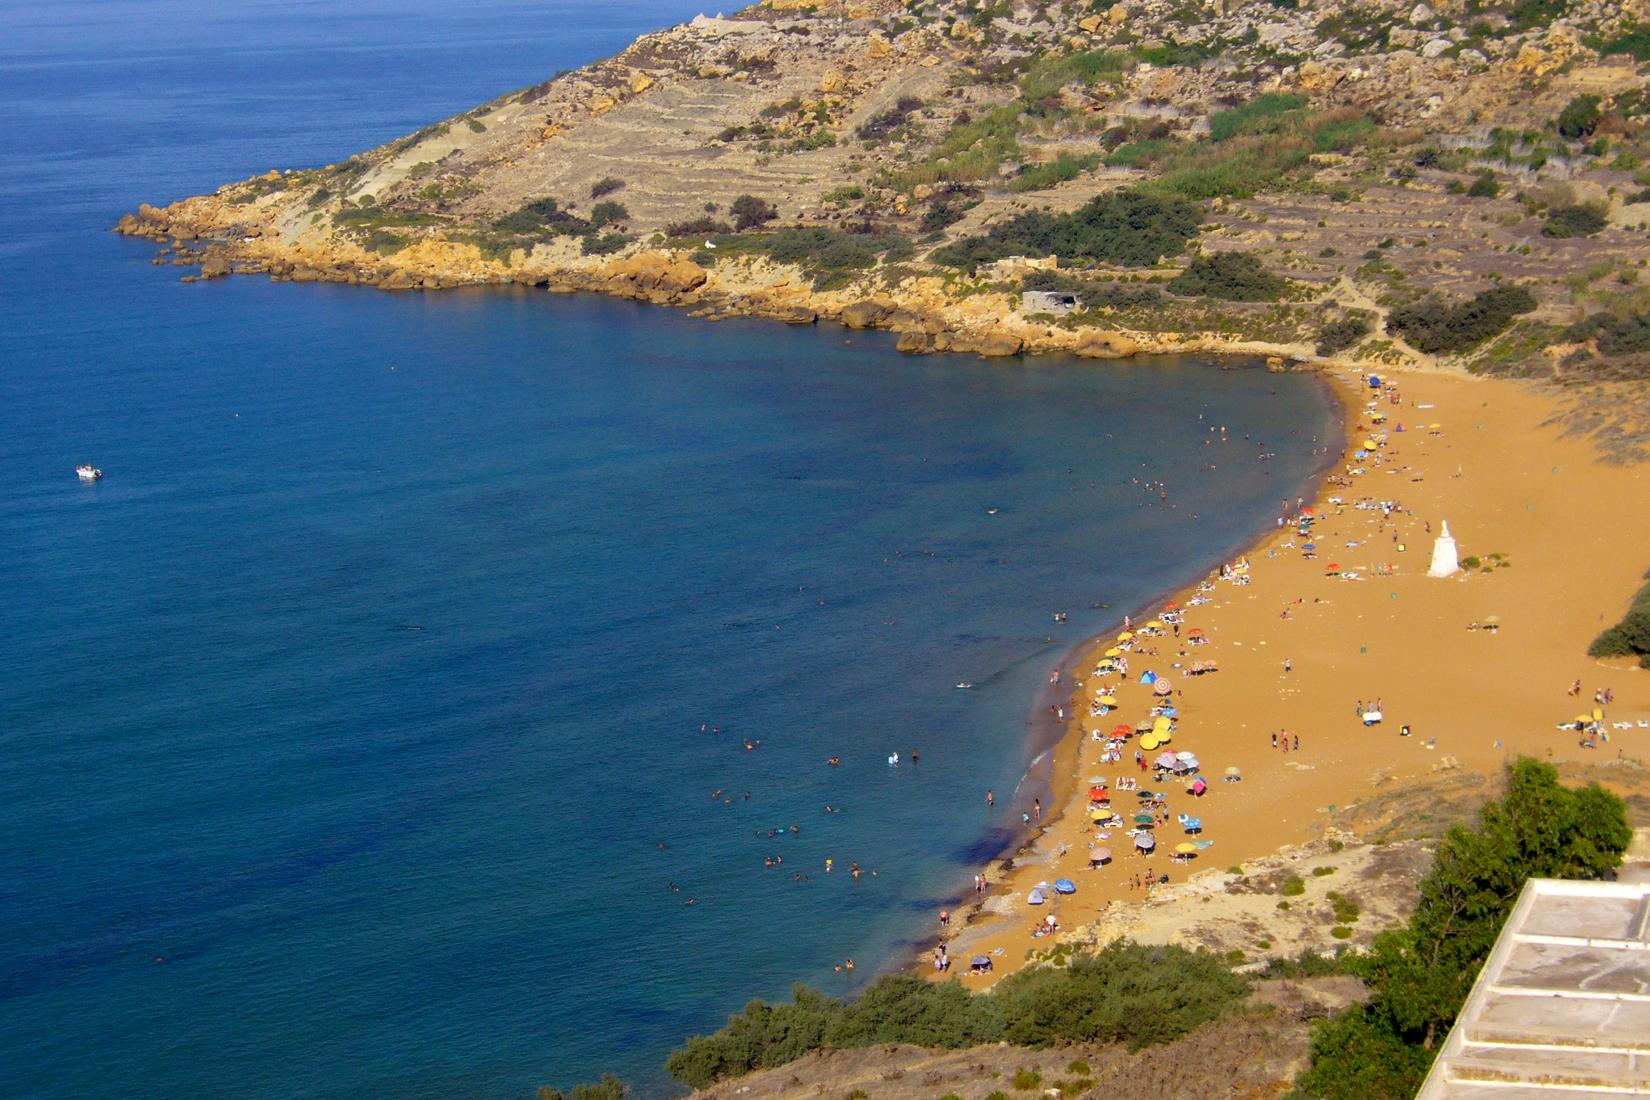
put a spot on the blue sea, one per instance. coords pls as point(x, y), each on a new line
point(368, 729)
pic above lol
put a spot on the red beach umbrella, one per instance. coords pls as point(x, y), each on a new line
point(1122, 729)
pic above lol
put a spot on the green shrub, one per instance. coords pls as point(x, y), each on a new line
point(1124, 227)
point(749, 212)
point(603, 244)
point(1262, 115)
point(1307, 964)
point(1631, 636)
point(1079, 1067)
point(1580, 220)
point(1320, 872)
point(1346, 910)
point(1485, 186)
point(1066, 166)
point(607, 212)
point(1632, 40)
point(1471, 561)
point(1026, 1079)
point(698, 227)
point(1129, 993)
point(1341, 333)
point(996, 1094)
point(886, 122)
point(1341, 932)
point(1229, 276)
point(540, 220)
point(605, 186)
point(1580, 117)
point(844, 195)
point(1293, 886)
point(1435, 326)
point(608, 1088)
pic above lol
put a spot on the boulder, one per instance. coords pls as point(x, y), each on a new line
point(648, 272)
point(1421, 13)
point(1436, 48)
point(1105, 345)
point(865, 314)
point(214, 266)
point(797, 315)
point(994, 345)
point(914, 343)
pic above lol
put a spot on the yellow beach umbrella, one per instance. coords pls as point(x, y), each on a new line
point(1162, 724)
point(1163, 737)
point(1126, 636)
point(1155, 624)
point(1369, 444)
point(1114, 652)
point(1188, 846)
point(1108, 700)
point(1149, 741)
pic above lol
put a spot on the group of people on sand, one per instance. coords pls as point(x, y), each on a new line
point(1283, 737)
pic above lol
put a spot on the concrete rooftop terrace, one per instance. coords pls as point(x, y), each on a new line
point(1562, 1006)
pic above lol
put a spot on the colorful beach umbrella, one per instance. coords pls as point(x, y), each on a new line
point(1162, 687)
point(1122, 729)
point(1186, 848)
point(1145, 842)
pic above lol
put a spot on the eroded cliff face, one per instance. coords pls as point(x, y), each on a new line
point(668, 172)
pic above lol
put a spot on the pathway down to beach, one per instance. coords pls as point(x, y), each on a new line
point(1301, 637)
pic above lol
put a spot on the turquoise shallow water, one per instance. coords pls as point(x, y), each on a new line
point(363, 690)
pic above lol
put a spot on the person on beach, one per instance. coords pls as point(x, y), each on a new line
point(1274, 739)
point(990, 799)
point(945, 917)
point(1037, 808)
point(1297, 742)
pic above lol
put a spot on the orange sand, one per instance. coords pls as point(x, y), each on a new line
point(1577, 534)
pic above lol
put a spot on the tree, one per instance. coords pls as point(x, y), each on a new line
point(1580, 117)
point(1231, 276)
point(749, 212)
point(1420, 974)
point(608, 212)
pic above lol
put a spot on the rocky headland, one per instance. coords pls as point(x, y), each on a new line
point(1458, 184)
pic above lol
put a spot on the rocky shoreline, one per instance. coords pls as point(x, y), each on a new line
point(200, 233)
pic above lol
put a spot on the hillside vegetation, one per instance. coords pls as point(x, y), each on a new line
point(1465, 181)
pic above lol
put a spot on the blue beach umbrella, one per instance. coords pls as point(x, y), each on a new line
point(1064, 886)
point(1148, 677)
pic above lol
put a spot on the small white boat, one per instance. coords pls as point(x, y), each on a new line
point(88, 473)
point(963, 685)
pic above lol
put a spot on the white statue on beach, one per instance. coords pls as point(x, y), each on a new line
point(1444, 560)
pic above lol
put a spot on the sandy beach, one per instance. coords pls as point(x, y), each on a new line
point(1300, 640)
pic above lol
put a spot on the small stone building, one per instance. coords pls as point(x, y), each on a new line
point(1056, 302)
